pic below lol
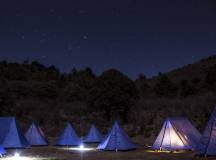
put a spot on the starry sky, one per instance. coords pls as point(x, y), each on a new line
point(134, 36)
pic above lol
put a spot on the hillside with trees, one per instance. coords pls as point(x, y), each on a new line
point(32, 91)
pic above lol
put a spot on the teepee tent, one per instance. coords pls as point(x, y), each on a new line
point(207, 143)
point(35, 136)
point(177, 134)
point(93, 136)
point(2, 151)
point(107, 134)
point(10, 134)
point(68, 137)
point(116, 140)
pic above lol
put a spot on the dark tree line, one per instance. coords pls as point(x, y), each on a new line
point(110, 94)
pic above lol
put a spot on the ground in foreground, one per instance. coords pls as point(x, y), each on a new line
point(58, 153)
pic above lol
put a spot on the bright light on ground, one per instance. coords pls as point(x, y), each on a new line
point(80, 148)
point(16, 157)
point(21, 158)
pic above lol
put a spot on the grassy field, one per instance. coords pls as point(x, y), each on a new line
point(61, 153)
point(57, 153)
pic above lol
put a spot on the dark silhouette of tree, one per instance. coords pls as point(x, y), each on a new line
point(28, 88)
point(52, 73)
point(210, 78)
point(45, 90)
point(84, 78)
point(36, 66)
point(12, 71)
point(6, 100)
point(165, 87)
point(62, 81)
point(73, 92)
point(142, 85)
point(72, 73)
point(186, 89)
point(113, 93)
point(26, 62)
point(90, 72)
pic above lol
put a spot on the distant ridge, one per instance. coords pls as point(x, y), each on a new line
point(192, 71)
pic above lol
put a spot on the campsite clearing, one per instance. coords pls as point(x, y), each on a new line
point(58, 153)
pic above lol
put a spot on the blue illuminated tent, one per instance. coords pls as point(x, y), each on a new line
point(93, 136)
point(117, 140)
point(107, 134)
point(177, 134)
point(10, 134)
point(207, 143)
point(2, 151)
point(68, 137)
point(35, 136)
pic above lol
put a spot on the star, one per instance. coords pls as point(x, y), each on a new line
point(59, 17)
point(43, 57)
point(85, 37)
point(43, 40)
point(115, 12)
point(18, 15)
point(20, 35)
point(69, 46)
point(52, 10)
point(54, 35)
point(44, 35)
point(152, 66)
point(82, 12)
point(36, 30)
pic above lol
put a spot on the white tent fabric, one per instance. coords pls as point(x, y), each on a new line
point(177, 134)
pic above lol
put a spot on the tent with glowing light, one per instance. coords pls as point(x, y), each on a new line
point(93, 136)
point(177, 134)
point(10, 134)
point(68, 137)
point(35, 136)
point(117, 140)
point(207, 143)
point(2, 151)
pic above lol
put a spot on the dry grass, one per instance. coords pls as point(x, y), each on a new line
point(63, 153)
point(57, 153)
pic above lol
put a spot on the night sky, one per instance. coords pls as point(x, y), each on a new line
point(133, 36)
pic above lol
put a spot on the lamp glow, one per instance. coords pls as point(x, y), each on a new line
point(81, 147)
point(16, 155)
